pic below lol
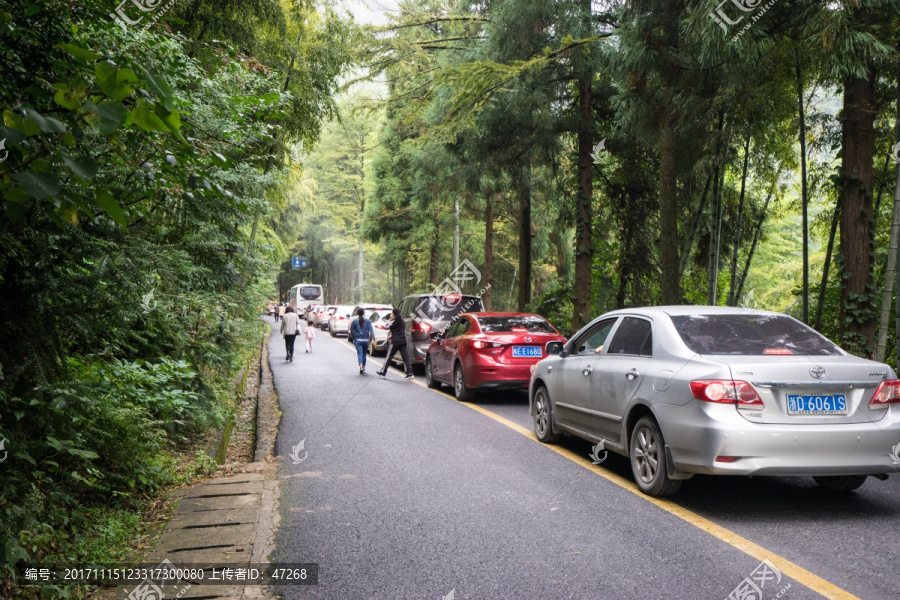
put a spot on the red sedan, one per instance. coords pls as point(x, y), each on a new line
point(493, 350)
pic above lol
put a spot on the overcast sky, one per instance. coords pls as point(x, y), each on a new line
point(369, 11)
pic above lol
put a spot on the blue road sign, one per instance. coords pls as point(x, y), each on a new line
point(299, 262)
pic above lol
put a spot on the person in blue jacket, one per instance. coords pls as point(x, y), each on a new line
point(361, 332)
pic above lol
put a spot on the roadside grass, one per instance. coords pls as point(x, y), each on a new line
point(63, 529)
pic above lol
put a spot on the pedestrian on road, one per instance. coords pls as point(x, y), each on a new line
point(361, 333)
point(290, 327)
point(397, 327)
point(282, 309)
point(309, 332)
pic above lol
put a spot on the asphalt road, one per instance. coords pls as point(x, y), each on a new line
point(403, 492)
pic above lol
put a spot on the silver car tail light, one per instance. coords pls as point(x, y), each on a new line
point(888, 392)
point(727, 391)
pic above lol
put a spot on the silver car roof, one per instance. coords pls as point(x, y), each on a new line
point(687, 310)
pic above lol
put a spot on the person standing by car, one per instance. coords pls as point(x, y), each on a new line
point(397, 328)
point(290, 325)
point(361, 333)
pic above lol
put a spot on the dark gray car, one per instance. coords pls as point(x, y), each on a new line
point(427, 315)
point(722, 391)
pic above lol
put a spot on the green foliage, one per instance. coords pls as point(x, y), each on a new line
point(139, 163)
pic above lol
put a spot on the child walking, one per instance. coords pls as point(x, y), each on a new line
point(310, 334)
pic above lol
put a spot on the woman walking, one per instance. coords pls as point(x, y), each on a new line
point(361, 332)
point(397, 328)
point(290, 326)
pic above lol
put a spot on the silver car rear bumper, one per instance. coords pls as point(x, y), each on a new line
point(698, 432)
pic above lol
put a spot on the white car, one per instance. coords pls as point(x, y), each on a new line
point(368, 308)
point(339, 320)
point(379, 320)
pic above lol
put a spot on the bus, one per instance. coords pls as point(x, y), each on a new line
point(304, 295)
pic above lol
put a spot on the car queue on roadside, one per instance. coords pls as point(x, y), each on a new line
point(677, 390)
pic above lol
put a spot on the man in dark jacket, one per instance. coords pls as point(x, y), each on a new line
point(397, 327)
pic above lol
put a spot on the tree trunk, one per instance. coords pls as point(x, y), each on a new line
point(891, 268)
point(670, 283)
point(756, 234)
point(803, 191)
point(732, 284)
point(435, 251)
point(488, 252)
point(889, 274)
point(584, 216)
point(524, 296)
point(857, 314)
point(360, 294)
point(695, 227)
point(455, 229)
point(712, 265)
point(820, 305)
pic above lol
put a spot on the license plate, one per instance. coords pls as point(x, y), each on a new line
point(817, 405)
point(527, 351)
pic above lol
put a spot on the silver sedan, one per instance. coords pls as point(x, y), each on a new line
point(682, 390)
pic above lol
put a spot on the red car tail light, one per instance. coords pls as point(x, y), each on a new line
point(887, 392)
point(481, 344)
point(420, 327)
point(727, 391)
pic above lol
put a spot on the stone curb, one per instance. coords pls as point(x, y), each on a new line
point(226, 521)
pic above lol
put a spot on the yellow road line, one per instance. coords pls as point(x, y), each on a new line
point(792, 570)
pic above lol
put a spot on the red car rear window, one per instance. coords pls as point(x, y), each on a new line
point(507, 324)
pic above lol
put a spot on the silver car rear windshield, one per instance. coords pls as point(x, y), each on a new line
point(751, 335)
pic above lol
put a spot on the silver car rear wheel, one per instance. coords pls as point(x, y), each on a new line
point(543, 420)
point(648, 459)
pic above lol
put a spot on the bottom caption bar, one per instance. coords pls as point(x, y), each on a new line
point(170, 573)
